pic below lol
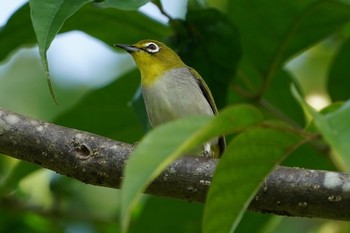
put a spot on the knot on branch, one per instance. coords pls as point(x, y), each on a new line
point(82, 149)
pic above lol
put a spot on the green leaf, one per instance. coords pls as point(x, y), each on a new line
point(157, 150)
point(48, 17)
point(273, 31)
point(334, 127)
point(247, 161)
point(106, 112)
point(122, 4)
point(339, 77)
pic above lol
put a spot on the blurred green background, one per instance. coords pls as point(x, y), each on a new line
point(97, 91)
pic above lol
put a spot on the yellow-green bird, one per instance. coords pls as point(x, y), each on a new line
point(171, 89)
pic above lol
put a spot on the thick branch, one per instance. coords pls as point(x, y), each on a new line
point(99, 161)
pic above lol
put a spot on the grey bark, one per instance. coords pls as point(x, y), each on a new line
point(97, 160)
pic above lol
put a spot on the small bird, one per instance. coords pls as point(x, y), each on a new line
point(171, 89)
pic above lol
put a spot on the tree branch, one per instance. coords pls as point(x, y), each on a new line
point(97, 160)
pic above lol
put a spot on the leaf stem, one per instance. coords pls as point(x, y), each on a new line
point(277, 113)
point(314, 138)
point(161, 9)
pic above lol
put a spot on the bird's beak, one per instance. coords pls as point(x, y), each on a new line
point(128, 48)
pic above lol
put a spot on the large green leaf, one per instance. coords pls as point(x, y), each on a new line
point(334, 127)
point(48, 17)
point(157, 150)
point(272, 31)
point(247, 161)
point(105, 111)
point(339, 76)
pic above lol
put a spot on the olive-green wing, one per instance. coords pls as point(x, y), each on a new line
point(205, 89)
point(209, 97)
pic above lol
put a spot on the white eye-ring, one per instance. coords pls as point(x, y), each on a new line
point(151, 47)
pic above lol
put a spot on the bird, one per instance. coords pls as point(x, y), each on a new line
point(171, 89)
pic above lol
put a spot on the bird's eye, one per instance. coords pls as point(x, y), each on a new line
point(152, 47)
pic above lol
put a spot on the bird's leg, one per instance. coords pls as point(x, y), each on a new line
point(207, 152)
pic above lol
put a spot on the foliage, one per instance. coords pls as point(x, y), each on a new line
point(241, 49)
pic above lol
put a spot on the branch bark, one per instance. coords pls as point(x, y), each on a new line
point(97, 160)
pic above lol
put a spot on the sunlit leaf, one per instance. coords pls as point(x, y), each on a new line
point(334, 127)
point(166, 143)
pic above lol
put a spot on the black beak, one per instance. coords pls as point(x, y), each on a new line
point(128, 48)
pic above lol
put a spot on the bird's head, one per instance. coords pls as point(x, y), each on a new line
point(152, 57)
